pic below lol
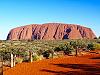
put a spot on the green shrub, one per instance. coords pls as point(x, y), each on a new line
point(36, 57)
point(19, 59)
point(91, 46)
point(78, 43)
point(46, 54)
point(66, 48)
point(6, 55)
point(39, 52)
point(57, 49)
point(97, 46)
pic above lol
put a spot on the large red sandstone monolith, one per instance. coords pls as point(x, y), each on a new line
point(50, 31)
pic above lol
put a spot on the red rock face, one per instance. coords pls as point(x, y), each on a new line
point(50, 31)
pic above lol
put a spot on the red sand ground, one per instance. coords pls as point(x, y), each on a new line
point(68, 65)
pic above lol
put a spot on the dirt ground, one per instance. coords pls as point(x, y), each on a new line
point(88, 64)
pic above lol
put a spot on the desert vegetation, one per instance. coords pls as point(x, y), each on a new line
point(46, 48)
point(28, 51)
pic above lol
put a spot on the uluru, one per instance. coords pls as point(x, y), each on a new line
point(50, 31)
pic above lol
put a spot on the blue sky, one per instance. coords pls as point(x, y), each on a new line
point(14, 13)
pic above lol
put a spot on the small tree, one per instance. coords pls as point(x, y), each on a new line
point(77, 45)
point(66, 48)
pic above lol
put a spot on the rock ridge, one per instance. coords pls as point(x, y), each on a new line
point(50, 31)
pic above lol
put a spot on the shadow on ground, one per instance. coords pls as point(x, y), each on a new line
point(85, 69)
point(96, 58)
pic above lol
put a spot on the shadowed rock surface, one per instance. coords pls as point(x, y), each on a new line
point(50, 31)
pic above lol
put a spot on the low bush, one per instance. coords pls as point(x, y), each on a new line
point(91, 46)
point(19, 59)
point(57, 49)
point(46, 54)
point(97, 46)
point(36, 57)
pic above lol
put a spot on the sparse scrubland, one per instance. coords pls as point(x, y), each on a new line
point(60, 50)
point(46, 48)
